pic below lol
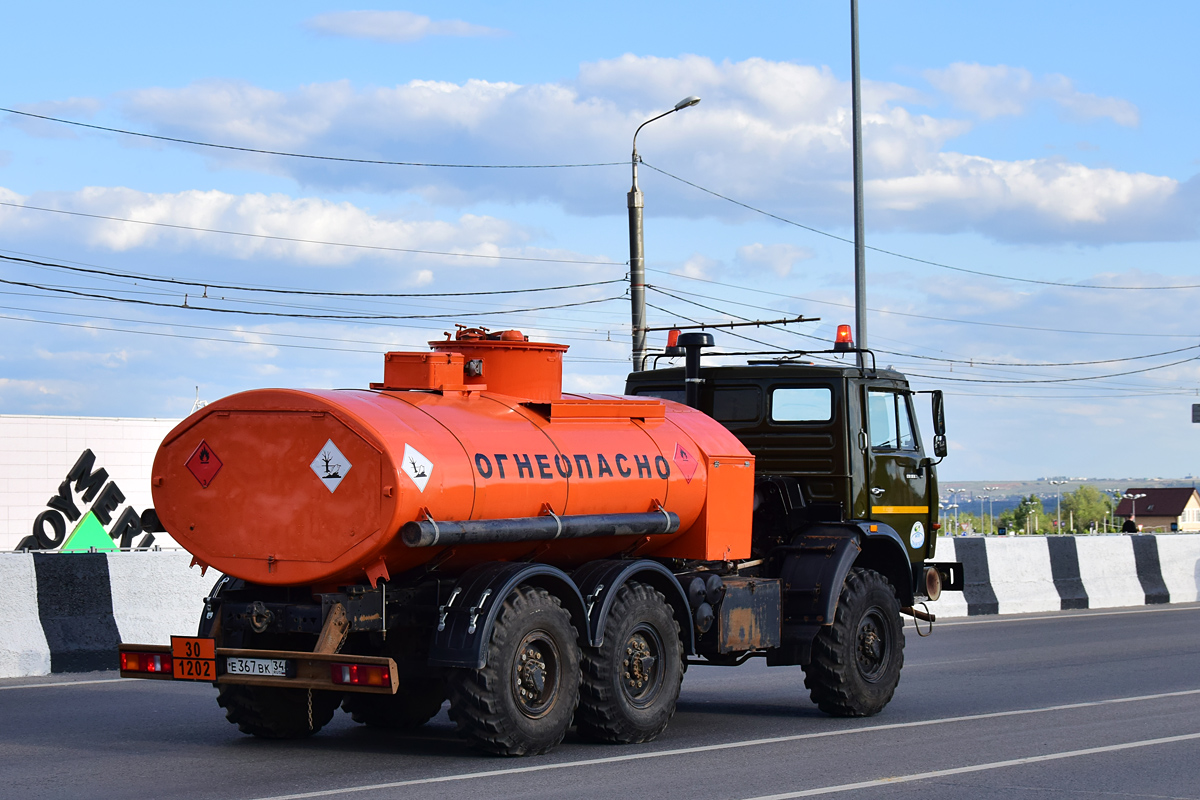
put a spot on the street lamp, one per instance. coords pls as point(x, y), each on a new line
point(1133, 498)
point(637, 262)
point(955, 507)
point(981, 497)
point(951, 493)
point(991, 508)
point(1058, 490)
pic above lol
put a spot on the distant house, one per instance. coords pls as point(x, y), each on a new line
point(1161, 509)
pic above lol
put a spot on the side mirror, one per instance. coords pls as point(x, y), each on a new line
point(939, 417)
point(939, 445)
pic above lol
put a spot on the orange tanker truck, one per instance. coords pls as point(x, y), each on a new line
point(464, 530)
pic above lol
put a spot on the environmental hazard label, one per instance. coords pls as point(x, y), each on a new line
point(204, 464)
point(330, 466)
point(417, 466)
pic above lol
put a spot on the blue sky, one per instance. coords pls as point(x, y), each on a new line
point(1048, 144)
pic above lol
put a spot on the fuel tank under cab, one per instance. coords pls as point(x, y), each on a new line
point(312, 487)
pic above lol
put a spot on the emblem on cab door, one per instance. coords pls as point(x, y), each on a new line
point(917, 537)
point(330, 466)
point(417, 466)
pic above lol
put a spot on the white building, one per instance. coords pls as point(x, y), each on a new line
point(39, 452)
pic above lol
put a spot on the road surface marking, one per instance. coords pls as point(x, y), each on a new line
point(943, 773)
point(683, 751)
point(66, 683)
point(992, 619)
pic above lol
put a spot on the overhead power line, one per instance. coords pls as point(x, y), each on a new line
point(309, 156)
point(304, 292)
point(270, 237)
point(972, 362)
point(381, 162)
point(915, 259)
point(161, 334)
point(1052, 380)
point(659, 290)
point(293, 315)
point(1123, 334)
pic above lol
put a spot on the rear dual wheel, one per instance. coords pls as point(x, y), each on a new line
point(418, 700)
point(272, 713)
point(631, 682)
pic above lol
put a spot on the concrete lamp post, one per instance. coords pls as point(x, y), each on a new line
point(991, 509)
point(950, 495)
point(637, 257)
point(1058, 492)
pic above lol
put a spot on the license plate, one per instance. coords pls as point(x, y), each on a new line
point(267, 667)
point(195, 658)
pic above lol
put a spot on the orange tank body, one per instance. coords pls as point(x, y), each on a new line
point(301, 487)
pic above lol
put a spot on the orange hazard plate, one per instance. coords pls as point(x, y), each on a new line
point(195, 659)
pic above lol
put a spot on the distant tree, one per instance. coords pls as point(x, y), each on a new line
point(1029, 516)
point(1088, 505)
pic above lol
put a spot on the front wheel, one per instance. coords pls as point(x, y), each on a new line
point(856, 661)
point(522, 701)
point(631, 682)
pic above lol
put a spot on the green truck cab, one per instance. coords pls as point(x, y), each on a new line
point(848, 436)
point(843, 488)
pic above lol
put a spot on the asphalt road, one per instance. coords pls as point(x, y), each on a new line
point(1074, 704)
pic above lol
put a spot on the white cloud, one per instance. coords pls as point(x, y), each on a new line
point(392, 26)
point(772, 134)
point(990, 91)
point(265, 216)
point(1040, 199)
point(778, 258)
point(698, 266)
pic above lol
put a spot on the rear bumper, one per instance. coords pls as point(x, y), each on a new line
point(311, 670)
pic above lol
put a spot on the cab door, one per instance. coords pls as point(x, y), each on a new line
point(898, 484)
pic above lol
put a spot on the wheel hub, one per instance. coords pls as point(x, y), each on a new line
point(641, 672)
point(535, 675)
point(872, 650)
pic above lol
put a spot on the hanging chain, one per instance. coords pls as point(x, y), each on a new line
point(310, 725)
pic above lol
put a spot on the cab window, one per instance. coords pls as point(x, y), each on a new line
point(662, 393)
point(889, 421)
point(802, 404)
point(742, 404)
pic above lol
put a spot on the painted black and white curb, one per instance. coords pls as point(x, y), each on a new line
point(1023, 574)
point(66, 612)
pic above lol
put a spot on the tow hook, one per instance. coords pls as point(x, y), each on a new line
point(920, 614)
point(261, 617)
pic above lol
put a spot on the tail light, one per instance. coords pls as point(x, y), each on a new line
point(156, 663)
point(360, 675)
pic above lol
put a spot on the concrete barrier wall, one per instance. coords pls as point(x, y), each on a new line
point(23, 648)
point(66, 612)
point(1023, 574)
